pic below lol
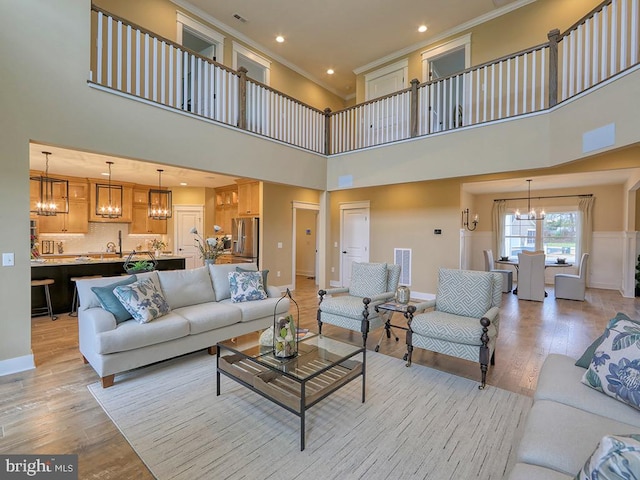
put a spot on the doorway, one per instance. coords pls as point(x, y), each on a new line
point(305, 241)
point(354, 237)
point(187, 217)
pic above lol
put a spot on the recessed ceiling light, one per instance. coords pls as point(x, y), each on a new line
point(330, 71)
point(280, 39)
point(422, 28)
point(183, 184)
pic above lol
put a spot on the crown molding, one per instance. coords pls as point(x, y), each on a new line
point(454, 31)
point(261, 48)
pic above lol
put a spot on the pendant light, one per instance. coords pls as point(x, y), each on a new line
point(532, 214)
point(53, 193)
point(159, 201)
point(109, 198)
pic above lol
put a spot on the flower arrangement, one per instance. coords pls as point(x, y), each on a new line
point(212, 247)
point(158, 244)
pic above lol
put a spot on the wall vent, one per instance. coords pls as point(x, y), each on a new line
point(237, 16)
point(402, 257)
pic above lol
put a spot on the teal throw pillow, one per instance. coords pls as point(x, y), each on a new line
point(246, 286)
point(110, 302)
point(143, 300)
point(586, 357)
point(616, 457)
point(264, 275)
point(615, 367)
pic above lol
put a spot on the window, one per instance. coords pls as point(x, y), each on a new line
point(556, 235)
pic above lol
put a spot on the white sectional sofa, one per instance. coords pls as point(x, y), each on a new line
point(567, 421)
point(202, 314)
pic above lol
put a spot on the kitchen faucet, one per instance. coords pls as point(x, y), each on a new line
point(120, 243)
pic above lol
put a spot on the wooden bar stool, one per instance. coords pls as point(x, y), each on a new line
point(75, 302)
point(45, 282)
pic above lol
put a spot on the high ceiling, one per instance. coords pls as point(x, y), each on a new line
point(343, 35)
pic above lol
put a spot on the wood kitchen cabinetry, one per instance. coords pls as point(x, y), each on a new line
point(248, 198)
point(77, 220)
point(140, 221)
point(226, 207)
point(127, 200)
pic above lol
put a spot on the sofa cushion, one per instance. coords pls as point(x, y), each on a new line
point(368, 279)
point(561, 437)
point(131, 335)
point(265, 274)
point(464, 292)
point(87, 297)
point(617, 457)
point(186, 287)
point(559, 380)
point(259, 309)
point(110, 302)
point(143, 300)
point(346, 306)
point(586, 357)
point(204, 317)
point(220, 277)
point(246, 287)
point(450, 327)
point(615, 366)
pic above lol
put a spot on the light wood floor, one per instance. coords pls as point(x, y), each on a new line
point(49, 410)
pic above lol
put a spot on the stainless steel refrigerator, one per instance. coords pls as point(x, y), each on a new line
point(245, 237)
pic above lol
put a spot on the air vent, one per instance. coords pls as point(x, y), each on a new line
point(237, 16)
point(402, 257)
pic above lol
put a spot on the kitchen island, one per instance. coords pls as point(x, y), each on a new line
point(61, 270)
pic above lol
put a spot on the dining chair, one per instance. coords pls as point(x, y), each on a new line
point(572, 287)
point(507, 275)
point(531, 276)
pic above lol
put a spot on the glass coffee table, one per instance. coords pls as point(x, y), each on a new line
point(322, 366)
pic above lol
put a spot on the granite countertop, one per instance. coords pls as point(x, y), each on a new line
point(64, 259)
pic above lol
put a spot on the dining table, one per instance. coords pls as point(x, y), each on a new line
point(547, 264)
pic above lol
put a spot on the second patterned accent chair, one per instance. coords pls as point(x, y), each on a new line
point(353, 308)
point(465, 318)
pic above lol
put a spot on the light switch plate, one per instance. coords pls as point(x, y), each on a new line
point(8, 260)
point(279, 244)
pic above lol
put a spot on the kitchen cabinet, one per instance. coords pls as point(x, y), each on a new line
point(127, 205)
point(140, 221)
point(77, 220)
point(248, 198)
point(226, 207)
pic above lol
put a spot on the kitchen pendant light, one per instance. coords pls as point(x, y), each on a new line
point(109, 198)
point(53, 193)
point(532, 214)
point(159, 201)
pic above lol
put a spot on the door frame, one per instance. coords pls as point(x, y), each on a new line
point(177, 210)
point(302, 206)
point(365, 204)
point(202, 31)
point(381, 72)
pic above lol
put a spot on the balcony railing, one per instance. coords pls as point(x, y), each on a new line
point(134, 61)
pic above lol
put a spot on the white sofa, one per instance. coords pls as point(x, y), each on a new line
point(202, 314)
point(567, 421)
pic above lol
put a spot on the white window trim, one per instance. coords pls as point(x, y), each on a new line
point(251, 55)
point(202, 31)
point(401, 65)
point(433, 53)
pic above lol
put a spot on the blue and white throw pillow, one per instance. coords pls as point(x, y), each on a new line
point(246, 286)
point(142, 300)
point(615, 367)
point(616, 457)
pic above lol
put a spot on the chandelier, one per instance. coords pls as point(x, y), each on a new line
point(109, 198)
point(532, 214)
point(53, 193)
point(159, 201)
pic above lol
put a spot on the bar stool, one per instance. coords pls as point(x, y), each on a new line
point(45, 282)
point(75, 303)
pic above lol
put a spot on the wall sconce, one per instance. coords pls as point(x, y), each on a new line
point(465, 220)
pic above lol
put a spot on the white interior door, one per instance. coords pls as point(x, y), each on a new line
point(187, 217)
point(354, 240)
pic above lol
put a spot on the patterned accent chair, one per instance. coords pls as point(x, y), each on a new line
point(464, 321)
point(371, 285)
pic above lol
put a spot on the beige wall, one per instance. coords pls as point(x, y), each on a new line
point(159, 16)
point(306, 242)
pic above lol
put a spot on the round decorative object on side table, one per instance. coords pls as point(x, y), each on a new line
point(403, 294)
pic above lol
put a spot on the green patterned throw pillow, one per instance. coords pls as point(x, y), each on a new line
point(616, 457)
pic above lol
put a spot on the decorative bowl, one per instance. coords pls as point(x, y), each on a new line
point(561, 260)
point(504, 259)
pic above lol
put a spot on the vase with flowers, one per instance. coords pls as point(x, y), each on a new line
point(157, 246)
point(211, 248)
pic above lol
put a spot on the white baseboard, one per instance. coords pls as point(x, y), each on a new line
point(334, 284)
point(283, 288)
point(305, 273)
point(423, 296)
point(17, 364)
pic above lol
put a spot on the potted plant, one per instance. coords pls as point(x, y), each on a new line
point(140, 265)
point(157, 246)
point(211, 248)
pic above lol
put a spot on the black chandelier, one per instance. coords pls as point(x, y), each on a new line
point(53, 193)
point(109, 198)
point(531, 214)
point(159, 207)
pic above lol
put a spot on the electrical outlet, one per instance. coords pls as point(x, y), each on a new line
point(278, 273)
point(333, 269)
point(335, 244)
point(8, 260)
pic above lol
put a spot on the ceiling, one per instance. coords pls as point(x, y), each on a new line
point(343, 35)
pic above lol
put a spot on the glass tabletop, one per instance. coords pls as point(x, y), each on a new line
point(316, 353)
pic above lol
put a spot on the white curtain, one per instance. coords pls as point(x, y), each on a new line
point(498, 214)
point(585, 207)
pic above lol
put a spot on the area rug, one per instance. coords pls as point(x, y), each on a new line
point(416, 422)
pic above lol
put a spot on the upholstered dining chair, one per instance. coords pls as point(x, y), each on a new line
point(464, 321)
point(572, 287)
point(507, 275)
point(531, 276)
point(353, 308)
